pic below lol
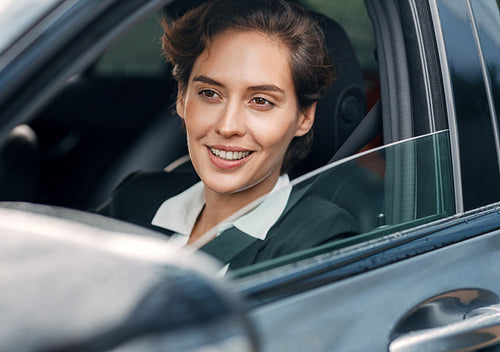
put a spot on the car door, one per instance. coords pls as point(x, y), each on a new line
point(428, 285)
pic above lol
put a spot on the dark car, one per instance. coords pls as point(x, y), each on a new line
point(408, 143)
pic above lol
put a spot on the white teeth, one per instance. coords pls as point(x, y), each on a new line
point(229, 155)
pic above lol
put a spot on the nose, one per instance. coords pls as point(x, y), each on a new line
point(231, 122)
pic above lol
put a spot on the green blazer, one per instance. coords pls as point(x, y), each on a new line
point(307, 221)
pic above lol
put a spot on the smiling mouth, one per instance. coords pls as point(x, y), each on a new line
point(229, 155)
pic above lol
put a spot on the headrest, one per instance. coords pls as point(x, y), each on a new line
point(343, 107)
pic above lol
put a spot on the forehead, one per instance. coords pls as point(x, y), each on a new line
point(247, 55)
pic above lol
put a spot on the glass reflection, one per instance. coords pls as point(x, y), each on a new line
point(478, 158)
point(381, 191)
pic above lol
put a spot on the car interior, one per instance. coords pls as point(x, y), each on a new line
point(118, 116)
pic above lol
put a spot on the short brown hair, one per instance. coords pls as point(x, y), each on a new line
point(186, 38)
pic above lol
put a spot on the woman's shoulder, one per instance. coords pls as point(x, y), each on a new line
point(311, 222)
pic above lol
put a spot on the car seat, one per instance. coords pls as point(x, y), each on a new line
point(343, 106)
point(19, 165)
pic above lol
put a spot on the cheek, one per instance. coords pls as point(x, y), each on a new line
point(275, 135)
point(195, 119)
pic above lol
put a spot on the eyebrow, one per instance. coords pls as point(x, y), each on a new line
point(264, 87)
point(267, 88)
point(207, 80)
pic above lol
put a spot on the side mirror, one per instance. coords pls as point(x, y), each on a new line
point(69, 282)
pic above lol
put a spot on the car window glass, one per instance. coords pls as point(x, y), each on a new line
point(384, 190)
point(487, 20)
point(478, 156)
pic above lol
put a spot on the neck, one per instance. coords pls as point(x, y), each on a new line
point(219, 206)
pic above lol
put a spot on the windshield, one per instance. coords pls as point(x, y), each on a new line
point(17, 16)
point(355, 200)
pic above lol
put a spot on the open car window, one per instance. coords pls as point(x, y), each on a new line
point(114, 118)
point(385, 190)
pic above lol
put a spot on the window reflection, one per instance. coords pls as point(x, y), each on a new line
point(385, 190)
point(478, 158)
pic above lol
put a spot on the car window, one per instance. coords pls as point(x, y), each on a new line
point(116, 117)
point(487, 22)
point(475, 120)
point(116, 105)
point(385, 190)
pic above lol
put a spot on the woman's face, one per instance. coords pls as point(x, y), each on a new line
point(240, 111)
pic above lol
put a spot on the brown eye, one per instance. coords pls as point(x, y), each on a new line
point(261, 101)
point(208, 93)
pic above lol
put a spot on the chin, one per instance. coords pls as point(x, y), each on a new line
point(219, 187)
point(226, 185)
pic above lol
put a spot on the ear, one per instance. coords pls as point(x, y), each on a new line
point(306, 120)
point(179, 105)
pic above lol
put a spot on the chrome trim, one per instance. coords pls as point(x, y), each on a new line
point(479, 329)
point(450, 107)
point(425, 67)
point(27, 38)
point(487, 82)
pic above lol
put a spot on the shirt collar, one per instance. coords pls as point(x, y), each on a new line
point(179, 213)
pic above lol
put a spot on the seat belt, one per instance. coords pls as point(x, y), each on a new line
point(368, 128)
point(229, 244)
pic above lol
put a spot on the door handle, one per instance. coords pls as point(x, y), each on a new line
point(480, 328)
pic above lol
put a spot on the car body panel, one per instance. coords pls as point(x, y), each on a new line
point(361, 312)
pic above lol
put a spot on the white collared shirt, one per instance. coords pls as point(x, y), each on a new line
point(179, 213)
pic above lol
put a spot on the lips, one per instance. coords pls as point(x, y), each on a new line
point(228, 158)
point(229, 155)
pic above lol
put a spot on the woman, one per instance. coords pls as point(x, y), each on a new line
point(249, 75)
